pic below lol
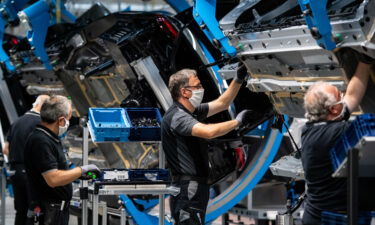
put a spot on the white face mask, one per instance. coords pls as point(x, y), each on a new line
point(341, 115)
point(197, 97)
point(62, 130)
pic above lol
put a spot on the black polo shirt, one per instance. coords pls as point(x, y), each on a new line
point(183, 151)
point(325, 193)
point(18, 134)
point(44, 153)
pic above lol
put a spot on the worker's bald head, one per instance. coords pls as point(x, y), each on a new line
point(40, 100)
point(318, 98)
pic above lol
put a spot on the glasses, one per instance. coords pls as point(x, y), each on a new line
point(196, 87)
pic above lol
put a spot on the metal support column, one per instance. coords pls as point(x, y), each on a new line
point(104, 212)
point(85, 161)
point(95, 209)
point(7, 100)
point(353, 186)
point(3, 178)
point(161, 197)
point(3, 197)
point(123, 217)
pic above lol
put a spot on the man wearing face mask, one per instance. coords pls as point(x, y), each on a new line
point(327, 111)
point(46, 166)
point(182, 131)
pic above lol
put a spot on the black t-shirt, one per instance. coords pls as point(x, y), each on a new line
point(324, 192)
point(18, 134)
point(183, 151)
point(44, 153)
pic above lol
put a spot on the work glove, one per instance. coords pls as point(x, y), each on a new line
point(241, 73)
point(90, 171)
point(244, 117)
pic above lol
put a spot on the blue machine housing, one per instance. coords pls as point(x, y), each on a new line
point(315, 13)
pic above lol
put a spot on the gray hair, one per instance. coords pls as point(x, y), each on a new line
point(179, 80)
point(317, 101)
point(54, 108)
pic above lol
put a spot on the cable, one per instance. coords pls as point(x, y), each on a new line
point(291, 137)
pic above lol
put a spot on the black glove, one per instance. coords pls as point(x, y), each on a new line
point(244, 116)
point(364, 58)
point(241, 73)
point(90, 171)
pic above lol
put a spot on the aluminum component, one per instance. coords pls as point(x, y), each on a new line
point(228, 71)
point(42, 89)
point(227, 23)
point(288, 166)
point(147, 68)
point(77, 41)
point(273, 85)
point(284, 58)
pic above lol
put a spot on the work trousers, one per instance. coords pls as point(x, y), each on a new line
point(189, 206)
point(52, 214)
point(21, 196)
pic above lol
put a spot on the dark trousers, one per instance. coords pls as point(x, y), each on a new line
point(53, 214)
point(309, 219)
point(21, 196)
point(189, 206)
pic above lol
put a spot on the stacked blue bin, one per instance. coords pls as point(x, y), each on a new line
point(108, 124)
point(117, 124)
point(363, 125)
point(331, 218)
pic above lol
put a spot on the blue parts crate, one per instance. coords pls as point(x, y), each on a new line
point(363, 125)
point(124, 124)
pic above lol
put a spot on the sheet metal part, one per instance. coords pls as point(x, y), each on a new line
point(282, 55)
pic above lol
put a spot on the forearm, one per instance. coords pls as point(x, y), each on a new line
point(222, 103)
point(357, 86)
point(209, 131)
point(230, 94)
point(6, 149)
point(63, 177)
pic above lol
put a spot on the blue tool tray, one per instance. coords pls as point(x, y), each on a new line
point(124, 124)
point(108, 124)
point(331, 218)
point(363, 125)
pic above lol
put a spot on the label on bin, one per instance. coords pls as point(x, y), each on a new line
point(116, 175)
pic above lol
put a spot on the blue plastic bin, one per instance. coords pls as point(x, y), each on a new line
point(143, 133)
point(363, 125)
point(109, 124)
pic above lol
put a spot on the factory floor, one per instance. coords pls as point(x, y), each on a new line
point(10, 216)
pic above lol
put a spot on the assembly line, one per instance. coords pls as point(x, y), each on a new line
point(187, 112)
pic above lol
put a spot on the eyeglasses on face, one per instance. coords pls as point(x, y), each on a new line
point(196, 86)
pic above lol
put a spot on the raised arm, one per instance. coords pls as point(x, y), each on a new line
point(357, 86)
point(222, 103)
